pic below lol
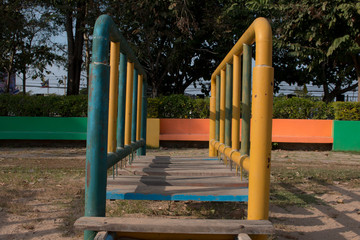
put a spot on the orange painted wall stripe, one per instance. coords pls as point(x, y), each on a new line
point(284, 130)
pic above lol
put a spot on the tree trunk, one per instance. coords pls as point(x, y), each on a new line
point(9, 71)
point(356, 60)
point(75, 46)
point(154, 90)
point(87, 58)
point(24, 82)
point(358, 78)
point(8, 82)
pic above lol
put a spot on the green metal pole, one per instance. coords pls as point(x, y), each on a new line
point(134, 106)
point(121, 101)
point(143, 118)
point(217, 107)
point(97, 125)
point(246, 103)
point(228, 104)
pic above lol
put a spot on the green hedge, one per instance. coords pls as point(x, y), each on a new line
point(174, 106)
point(301, 108)
point(43, 106)
point(178, 106)
point(347, 111)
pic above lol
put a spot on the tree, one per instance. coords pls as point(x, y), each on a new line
point(319, 40)
point(77, 17)
point(24, 46)
point(178, 42)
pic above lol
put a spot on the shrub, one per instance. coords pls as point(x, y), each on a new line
point(301, 108)
point(174, 106)
point(153, 107)
point(43, 106)
point(347, 111)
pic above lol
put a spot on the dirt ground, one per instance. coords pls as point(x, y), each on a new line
point(315, 195)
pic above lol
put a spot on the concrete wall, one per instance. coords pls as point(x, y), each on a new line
point(346, 136)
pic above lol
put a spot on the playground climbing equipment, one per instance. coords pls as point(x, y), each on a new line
point(117, 128)
point(255, 153)
point(116, 112)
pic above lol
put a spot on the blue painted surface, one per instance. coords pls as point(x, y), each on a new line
point(142, 150)
point(118, 195)
point(134, 107)
point(97, 126)
point(98, 105)
point(210, 159)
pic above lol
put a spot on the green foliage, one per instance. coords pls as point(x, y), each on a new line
point(315, 41)
point(180, 42)
point(301, 108)
point(174, 106)
point(25, 31)
point(43, 106)
point(178, 106)
point(347, 111)
point(153, 107)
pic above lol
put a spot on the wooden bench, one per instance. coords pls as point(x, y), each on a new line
point(174, 229)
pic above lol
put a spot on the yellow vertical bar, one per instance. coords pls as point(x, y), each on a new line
point(260, 138)
point(139, 102)
point(212, 152)
point(222, 104)
point(129, 100)
point(113, 95)
point(235, 124)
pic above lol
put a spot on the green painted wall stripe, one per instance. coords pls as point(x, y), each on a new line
point(51, 128)
point(346, 135)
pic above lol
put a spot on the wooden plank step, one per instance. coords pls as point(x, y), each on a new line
point(178, 165)
point(177, 193)
point(200, 181)
point(175, 226)
point(177, 172)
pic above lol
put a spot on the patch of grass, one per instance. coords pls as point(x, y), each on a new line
point(291, 197)
point(323, 175)
point(226, 210)
point(297, 185)
point(74, 210)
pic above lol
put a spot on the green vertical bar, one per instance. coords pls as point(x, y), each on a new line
point(143, 117)
point(121, 101)
point(134, 106)
point(217, 107)
point(228, 104)
point(246, 97)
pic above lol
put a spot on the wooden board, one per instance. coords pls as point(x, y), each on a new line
point(175, 226)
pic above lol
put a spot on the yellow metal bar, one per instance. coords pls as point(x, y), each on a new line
point(213, 100)
point(129, 100)
point(222, 105)
point(260, 139)
point(235, 156)
point(261, 31)
point(113, 95)
point(139, 102)
point(173, 236)
point(260, 129)
point(235, 124)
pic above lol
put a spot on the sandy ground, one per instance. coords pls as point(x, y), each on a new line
point(338, 217)
point(43, 210)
